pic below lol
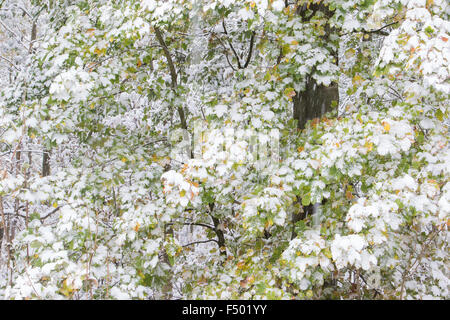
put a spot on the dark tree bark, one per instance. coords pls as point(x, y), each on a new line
point(173, 74)
point(218, 231)
point(46, 163)
point(46, 153)
point(1, 234)
point(316, 100)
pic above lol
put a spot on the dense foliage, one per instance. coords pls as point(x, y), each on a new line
point(150, 149)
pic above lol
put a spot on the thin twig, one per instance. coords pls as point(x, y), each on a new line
point(10, 62)
point(198, 242)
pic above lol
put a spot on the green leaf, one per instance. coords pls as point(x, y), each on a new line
point(306, 200)
point(439, 115)
point(429, 30)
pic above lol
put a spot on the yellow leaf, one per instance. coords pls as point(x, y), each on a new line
point(368, 145)
point(55, 205)
point(66, 289)
point(124, 159)
point(327, 253)
point(386, 126)
point(243, 283)
point(136, 227)
point(90, 32)
point(294, 42)
point(350, 53)
point(349, 195)
point(182, 193)
point(290, 92)
point(357, 79)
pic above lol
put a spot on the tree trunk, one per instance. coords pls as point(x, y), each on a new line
point(46, 163)
point(315, 100)
point(218, 231)
point(220, 236)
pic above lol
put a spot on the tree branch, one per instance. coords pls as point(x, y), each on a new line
point(198, 242)
point(50, 213)
point(380, 29)
point(225, 51)
point(250, 50)
point(193, 224)
point(17, 38)
point(173, 73)
point(231, 45)
point(10, 62)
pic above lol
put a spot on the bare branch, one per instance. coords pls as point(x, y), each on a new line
point(50, 213)
point(198, 242)
point(193, 224)
point(250, 50)
point(173, 73)
point(14, 34)
point(10, 62)
point(380, 29)
point(231, 45)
